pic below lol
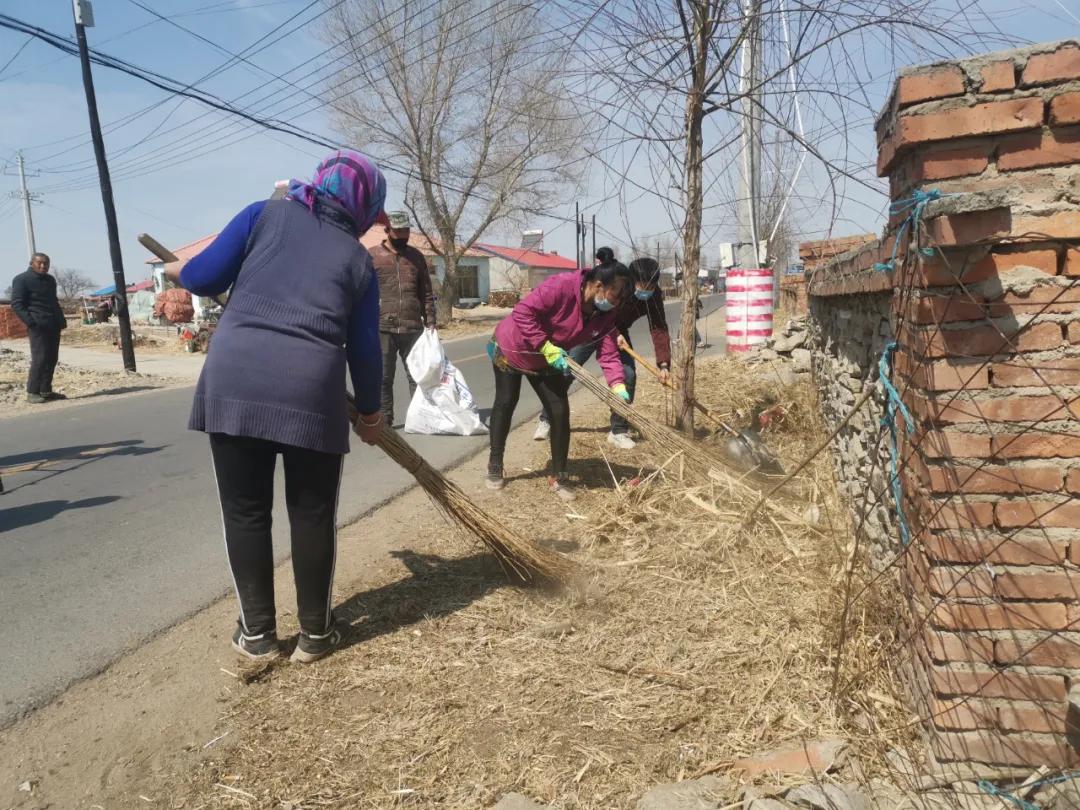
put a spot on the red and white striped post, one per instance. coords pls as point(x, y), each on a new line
point(749, 307)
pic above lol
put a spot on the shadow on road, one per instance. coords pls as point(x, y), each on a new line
point(127, 389)
point(43, 461)
point(58, 453)
point(27, 515)
point(437, 587)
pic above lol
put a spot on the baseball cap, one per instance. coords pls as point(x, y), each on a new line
point(399, 219)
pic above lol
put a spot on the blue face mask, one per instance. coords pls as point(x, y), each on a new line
point(603, 304)
point(643, 295)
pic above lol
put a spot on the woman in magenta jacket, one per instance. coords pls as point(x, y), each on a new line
point(566, 310)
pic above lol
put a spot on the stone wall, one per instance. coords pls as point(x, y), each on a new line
point(984, 305)
point(848, 334)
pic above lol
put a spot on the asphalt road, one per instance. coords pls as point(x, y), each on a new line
point(116, 535)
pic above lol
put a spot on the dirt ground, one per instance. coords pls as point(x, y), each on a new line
point(479, 320)
point(102, 335)
point(690, 642)
point(79, 385)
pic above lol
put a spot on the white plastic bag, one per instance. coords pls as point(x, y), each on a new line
point(443, 402)
point(426, 358)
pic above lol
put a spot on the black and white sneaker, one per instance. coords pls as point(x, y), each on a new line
point(311, 648)
point(495, 478)
point(256, 648)
point(53, 396)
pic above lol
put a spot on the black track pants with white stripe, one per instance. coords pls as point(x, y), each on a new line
point(244, 469)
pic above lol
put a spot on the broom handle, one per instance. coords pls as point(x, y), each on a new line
point(656, 373)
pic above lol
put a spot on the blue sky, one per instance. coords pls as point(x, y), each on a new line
point(198, 168)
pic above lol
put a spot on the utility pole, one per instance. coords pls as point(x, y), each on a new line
point(28, 218)
point(749, 195)
point(577, 234)
point(84, 18)
point(594, 236)
point(26, 197)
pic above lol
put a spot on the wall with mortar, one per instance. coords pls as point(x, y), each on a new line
point(985, 307)
point(10, 325)
point(848, 334)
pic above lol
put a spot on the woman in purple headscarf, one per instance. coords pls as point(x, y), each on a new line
point(303, 303)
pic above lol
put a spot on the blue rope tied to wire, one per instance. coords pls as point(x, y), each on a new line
point(990, 789)
point(893, 405)
point(914, 205)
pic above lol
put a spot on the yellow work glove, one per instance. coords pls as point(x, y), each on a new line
point(620, 389)
point(556, 357)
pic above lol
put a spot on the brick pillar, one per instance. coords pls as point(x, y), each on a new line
point(815, 256)
point(989, 365)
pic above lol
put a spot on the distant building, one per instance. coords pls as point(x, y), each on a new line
point(520, 269)
point(183, 254)
point(482, 269)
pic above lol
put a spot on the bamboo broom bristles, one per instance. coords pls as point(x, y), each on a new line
point(518, 555)
point(670, 441)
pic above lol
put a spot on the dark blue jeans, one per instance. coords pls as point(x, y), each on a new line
point(581, 355)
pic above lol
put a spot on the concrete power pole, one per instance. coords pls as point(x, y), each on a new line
point(748, 205)
point(84, 18)
point(31, 245)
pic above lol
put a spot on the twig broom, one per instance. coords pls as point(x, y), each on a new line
point(517, 555)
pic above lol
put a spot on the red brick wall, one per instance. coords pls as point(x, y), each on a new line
point(988, 363)
point(793, 294)
point(821, 252)
point(10, 325)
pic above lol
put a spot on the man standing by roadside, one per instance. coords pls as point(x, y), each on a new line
point(34, 301)
point(406, 303)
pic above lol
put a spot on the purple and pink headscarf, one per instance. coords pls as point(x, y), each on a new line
point(350, 178)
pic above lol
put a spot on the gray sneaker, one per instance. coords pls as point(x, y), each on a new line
point(543, 430)
point(35, 399)
point(256, 648)
point(311, 648)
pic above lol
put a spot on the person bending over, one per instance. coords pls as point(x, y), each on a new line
point(569, 309)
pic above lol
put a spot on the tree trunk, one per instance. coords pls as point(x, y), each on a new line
point(684, 356)
point(447, 291)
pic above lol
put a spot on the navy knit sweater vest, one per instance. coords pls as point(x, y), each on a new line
point(276, 366)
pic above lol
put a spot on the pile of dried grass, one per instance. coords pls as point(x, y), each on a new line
point(699, 641)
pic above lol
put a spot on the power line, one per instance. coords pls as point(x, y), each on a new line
point(164, 82)
point(22, 47)
point(112, 125)
point(209, 137)
point(212, 140)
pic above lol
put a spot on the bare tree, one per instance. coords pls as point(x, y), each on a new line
point(468, 96)
point(673, 85)
point(71, 283)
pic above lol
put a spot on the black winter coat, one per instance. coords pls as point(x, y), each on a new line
point(34, 301)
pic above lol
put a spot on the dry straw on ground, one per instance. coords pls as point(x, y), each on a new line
point(520, 557)
point(698, 641)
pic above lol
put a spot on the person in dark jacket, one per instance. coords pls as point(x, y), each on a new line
point(34, 301)
point(304, 301)
point(646, 302)
point(406, 303)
